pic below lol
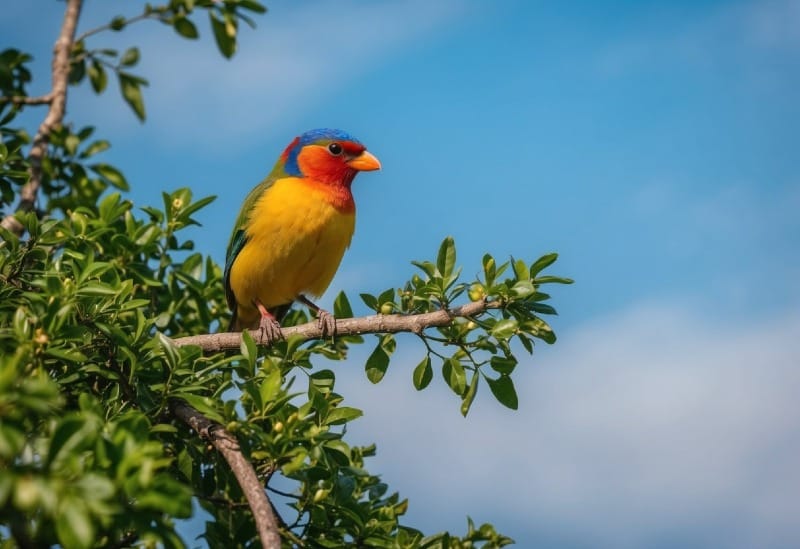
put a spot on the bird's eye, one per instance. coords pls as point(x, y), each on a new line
point(335, 149)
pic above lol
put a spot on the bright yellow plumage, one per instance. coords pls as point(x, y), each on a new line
point(296, 237)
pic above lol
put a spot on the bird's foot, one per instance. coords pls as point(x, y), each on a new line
point(325, 320)
point(269, 326)
point(270, 330)
point(326, 323)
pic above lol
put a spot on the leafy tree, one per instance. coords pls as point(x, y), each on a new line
point(118, 406)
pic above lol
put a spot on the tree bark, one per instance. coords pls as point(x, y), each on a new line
point(374, 324)
point(227, 445)
point(57, 98)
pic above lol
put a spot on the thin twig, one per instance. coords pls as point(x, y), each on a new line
point(348, 326)
point(227, 445)
point(282, 493)
point(25, 100)
point(109, 26)
point(224, 501)
point(54, 118)
point(126, 541)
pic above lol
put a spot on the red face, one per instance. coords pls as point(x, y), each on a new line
point(336, 162)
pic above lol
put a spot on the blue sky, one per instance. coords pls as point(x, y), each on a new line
point(654, 145)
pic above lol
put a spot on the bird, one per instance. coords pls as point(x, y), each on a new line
point(292, 231)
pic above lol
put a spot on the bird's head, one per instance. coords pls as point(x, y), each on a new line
point(328, 156)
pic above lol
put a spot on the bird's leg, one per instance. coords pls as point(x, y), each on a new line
point(269, 325)
point(325, 320)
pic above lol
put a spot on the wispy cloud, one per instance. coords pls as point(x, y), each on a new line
point(775, 23)
point(298, 56)
point(739, 32)
point(646, 426)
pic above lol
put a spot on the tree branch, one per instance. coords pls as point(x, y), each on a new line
point(227, 445)
point(54, 118)
point(347, 326)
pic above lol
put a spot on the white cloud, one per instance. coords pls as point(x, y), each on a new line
point(775, 24)
point(737, 32)
point(651, 425)
point(296, 57)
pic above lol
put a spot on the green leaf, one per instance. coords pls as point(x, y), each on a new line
point(132, 93)
point(423, 374)
point(69, 355)
point(73, 525)
point(70, 433)
point(542, 263)
point(542, 308)
point(454, 375)
point(112, 175)
point(378, 361)
point(427, 267)
point(226, 41)
point(97, 289)
point(204, 405)
point(271, 384)
point(249, 349)
point(377, 364)
point(520, 269)
point(171, 353)
point(523, 288)
point(130, 57)
point(97, 76)
point(71, 144)
point(553, 280)
point(324, 380)
point(77, 71)
point(470, 396)
point(489, 269)
point(446, 259)
point(386, 301)
point(504, 328)
point(526, 342)
point(503, 390)
point(370, 301)
point(503, 364)
point(342, 415)
point(253, 6)
point(185, 28)
point(341, 306)
point(543, 331)
point(96, 147)
point(118, 23)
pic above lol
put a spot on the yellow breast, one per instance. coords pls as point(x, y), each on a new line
point(296, 238)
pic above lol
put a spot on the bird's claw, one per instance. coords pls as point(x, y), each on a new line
point(326, 323)
point(270, 330)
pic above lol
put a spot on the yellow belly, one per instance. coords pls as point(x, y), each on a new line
point(295, 241)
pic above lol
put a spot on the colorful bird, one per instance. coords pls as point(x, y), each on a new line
point(293, 229)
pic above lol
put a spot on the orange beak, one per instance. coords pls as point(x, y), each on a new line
point(365, 162)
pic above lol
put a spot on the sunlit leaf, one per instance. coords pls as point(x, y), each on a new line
point(454, 375)
point(503, 390)
point(423, 374)
point(446, 259)
point(130, 86)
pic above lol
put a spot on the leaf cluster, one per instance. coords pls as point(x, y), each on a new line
point(471, 349)
point(87, 454)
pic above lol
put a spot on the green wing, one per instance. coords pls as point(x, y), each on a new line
point(239, 236)
point(238, 240)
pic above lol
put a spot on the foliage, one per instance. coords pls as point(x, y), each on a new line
point(90, 298)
